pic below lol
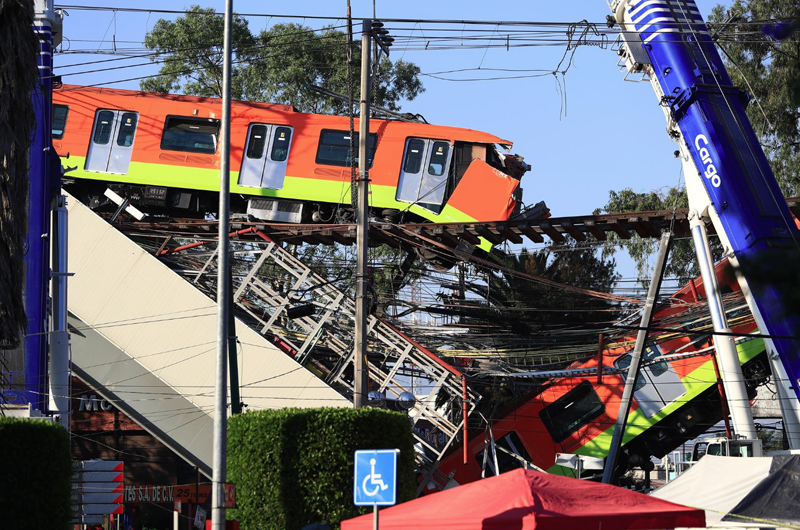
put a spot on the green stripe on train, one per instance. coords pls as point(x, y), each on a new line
point(696, 382)
point(297, 188)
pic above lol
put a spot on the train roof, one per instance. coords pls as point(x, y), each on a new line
point(170, 97)
point(463, 134)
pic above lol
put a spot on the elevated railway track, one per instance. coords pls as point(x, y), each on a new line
point(647, 224)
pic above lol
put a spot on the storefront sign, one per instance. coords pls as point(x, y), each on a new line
point(137, 493)
point(93, 404)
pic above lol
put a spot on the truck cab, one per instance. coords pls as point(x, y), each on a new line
point(722, 446)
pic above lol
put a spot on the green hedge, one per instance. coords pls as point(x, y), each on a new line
point(37, 475)
point(293, 467)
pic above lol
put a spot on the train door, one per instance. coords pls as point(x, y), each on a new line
point(657, 385)
point(423, 176)
point(266, 153)
point(111, 145)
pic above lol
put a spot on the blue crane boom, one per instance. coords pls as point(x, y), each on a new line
point(667, 42)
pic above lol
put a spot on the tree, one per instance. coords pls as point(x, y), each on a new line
point(519, 302)
point(766, 63)
point(760, 46)
point(190, 50)
point(682, 263)
point(18, 77)
point(278, 65)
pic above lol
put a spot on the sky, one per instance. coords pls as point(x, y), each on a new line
point(587, 134)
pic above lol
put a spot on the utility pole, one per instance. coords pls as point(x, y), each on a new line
point(361, 382)
point(223, 291)
point(636, 358)
point(369, 30)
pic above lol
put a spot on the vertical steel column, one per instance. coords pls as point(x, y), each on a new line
point(233, 361)
point(636, 358)
point(722, 398)
point(59, 339)
point(37, 257)
point(600, 344)
point(361, 382)
point(465, 413)
point(732, 377)
point(223, 290)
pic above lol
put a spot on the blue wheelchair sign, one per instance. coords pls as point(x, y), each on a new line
point(375, 478)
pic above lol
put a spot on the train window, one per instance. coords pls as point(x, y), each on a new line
point(195, 135)
point(659, 369)
point(334, 148)
point(656, 369)
point(414, 154)
point(438, 158)
point(280, 144)
point(257, 141)
point(59, 120)
point(127, 129)
point(572, 411)
point(511, 454)
point(103, 127)
point(623, 363)
point(465, 153)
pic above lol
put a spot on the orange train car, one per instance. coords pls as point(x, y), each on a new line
point(574, 411)
point(160, 151)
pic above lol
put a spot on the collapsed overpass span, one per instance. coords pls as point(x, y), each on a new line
point(145, 338)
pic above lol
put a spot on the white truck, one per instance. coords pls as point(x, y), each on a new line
point(722, 446)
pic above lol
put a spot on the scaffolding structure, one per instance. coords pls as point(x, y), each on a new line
point(313, 320)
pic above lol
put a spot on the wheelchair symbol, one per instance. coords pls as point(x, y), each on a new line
point(373, 479)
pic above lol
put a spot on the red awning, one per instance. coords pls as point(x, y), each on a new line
point(527, 500)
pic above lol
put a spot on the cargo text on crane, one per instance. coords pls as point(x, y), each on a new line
point(710, 170)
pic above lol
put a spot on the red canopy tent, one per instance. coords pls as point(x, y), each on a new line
point(527, 500)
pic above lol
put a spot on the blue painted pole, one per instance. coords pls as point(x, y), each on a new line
point(37, 243)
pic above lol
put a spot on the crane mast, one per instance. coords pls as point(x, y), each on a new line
point(728, 177)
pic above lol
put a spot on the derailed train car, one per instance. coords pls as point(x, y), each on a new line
point(160, 152)
point(676, 398)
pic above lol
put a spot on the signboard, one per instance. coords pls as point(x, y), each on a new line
point(91, 496)
point(200, 518)
point(99, 476)
point(89, 519)
point(228, 495)
point(375, 482)
point(97, 489)
point(102, 509)
point(167, 494)
point(100, 465)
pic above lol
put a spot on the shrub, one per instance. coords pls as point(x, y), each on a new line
point(293, 467)
point(37, 473)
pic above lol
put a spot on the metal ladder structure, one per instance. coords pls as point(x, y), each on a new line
point(265, 277)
